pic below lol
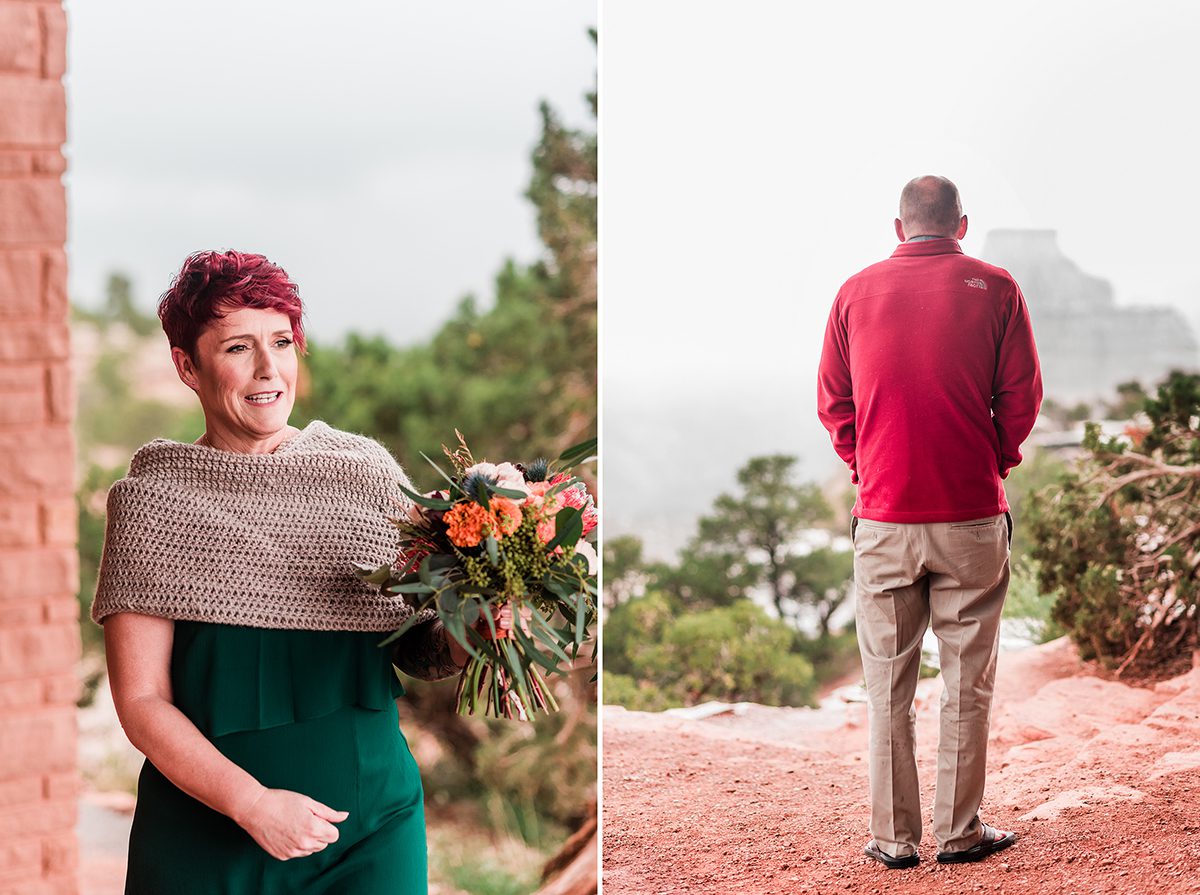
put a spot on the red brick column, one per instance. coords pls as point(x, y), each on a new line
point(39, 631)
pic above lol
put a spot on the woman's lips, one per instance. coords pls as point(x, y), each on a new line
point(264, 399)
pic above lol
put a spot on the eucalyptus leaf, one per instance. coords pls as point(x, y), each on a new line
point(440, 561)
point(493, 551)
point(430, 503)
point(549, 636)
point(372, 575)
point(578, 453)
point(532, 651)
point(448, 600)
point(456, 628)
point(517, 669)
point(469, 611)
point(418, 587)
point(580, 617)
point(568, 528)
point(510, 493)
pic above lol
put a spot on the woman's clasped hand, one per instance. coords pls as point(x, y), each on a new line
point(291, 825)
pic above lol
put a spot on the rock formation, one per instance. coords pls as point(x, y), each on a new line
point(1087, 343)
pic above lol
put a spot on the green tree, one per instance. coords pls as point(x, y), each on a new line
point(623, 568)
point(822, 580)
point(756, 533)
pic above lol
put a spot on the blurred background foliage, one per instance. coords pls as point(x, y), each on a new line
point(753, 609)
point(518, 378)
point(758, 605)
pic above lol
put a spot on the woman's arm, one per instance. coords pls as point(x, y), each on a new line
point(427, 653)
point(138, 649)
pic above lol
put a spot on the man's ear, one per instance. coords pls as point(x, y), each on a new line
point(962, 228)
point(186, 368)
point(899, 229)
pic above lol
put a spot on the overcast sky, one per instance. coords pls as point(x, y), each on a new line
point(378, 151)
point(753, 155)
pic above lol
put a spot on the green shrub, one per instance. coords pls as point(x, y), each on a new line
point(730, 653)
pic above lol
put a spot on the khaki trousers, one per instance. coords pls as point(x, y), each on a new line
point(955, 573)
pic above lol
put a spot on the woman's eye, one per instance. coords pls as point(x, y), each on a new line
point(234, 349)
point(284, 342)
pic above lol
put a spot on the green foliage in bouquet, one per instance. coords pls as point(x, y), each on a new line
point(496, 536)
point(1119, 537)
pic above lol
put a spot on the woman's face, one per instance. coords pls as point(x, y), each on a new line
point(244, 373)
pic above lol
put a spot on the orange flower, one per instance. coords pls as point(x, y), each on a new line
point(467, 524)
point(506, 515)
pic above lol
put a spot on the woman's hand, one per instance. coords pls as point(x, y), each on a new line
point(290, 825)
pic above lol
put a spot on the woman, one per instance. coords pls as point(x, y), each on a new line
point(242, 648)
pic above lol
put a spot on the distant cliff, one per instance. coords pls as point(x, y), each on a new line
point(1087, 343)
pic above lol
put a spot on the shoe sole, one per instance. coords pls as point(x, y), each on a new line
point(970, 856)
point(894, 863)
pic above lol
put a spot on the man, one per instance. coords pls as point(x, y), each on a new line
point(928, 384)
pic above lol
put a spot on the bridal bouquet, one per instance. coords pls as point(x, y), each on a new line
point(500, 535)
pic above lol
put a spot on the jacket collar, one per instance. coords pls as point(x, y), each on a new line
point(944, 246)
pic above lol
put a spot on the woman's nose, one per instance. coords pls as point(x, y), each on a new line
point(265, 365)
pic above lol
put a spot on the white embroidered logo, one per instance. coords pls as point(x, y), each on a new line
point(976, 283)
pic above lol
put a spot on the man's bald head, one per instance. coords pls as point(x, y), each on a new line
point(930, 206)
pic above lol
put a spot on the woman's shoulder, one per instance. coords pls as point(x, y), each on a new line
point(326, 437)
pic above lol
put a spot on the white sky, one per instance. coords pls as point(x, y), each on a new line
point(377, 151)
point(752, 158)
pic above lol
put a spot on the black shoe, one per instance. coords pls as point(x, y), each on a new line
point(993, 841)
point(873, 851)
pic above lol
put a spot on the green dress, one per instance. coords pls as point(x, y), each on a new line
point(309, 711)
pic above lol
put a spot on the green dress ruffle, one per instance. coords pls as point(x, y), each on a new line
point(309, 711)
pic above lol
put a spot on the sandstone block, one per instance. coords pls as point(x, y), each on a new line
point(48, 572)
point(20, 283)
point(36, 463)
point(35, 111)
point(20, 38)
point(22, 694)
point(34, 650)
point(19, 521)
point(32, 211)
point(60, 522)
point(36, 742)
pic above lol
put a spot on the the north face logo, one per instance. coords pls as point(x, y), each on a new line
point(975, 283)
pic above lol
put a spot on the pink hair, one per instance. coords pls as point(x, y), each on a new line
point(210, 284)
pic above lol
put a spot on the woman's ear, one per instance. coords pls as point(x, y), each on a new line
point(186, 368)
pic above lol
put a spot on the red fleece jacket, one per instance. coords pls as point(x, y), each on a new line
point(928, 384)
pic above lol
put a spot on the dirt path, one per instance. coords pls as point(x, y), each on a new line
point(1102, 781)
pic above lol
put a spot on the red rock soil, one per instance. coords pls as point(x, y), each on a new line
point(1100, 779)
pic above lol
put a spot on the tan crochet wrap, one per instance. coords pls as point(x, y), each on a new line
point(266, 540)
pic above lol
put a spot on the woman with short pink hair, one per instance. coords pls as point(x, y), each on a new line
point(242, 648)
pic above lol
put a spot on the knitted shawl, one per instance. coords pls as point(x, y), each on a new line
point(265, 540)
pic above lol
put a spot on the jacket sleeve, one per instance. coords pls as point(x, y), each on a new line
point(1017, 387)
point(423, 652)
point(835, 392)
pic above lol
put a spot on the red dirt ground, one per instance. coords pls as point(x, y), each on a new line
point(1101, 780)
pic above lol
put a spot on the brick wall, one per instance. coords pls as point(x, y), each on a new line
point(39, 633)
